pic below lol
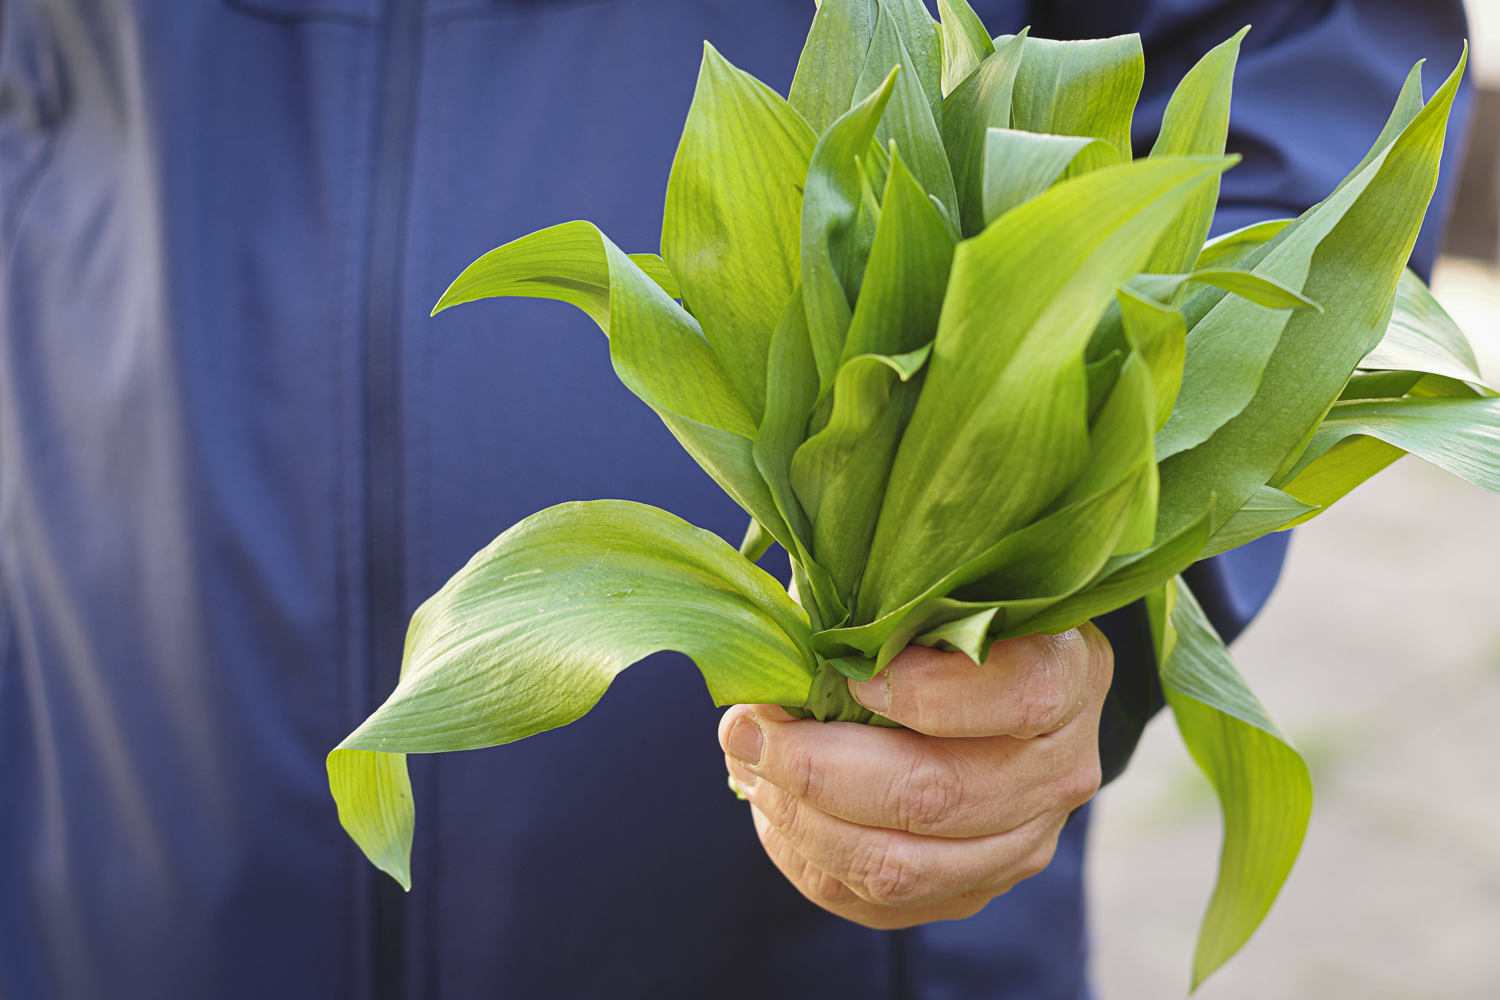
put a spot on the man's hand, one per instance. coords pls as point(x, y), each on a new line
point(897, 827)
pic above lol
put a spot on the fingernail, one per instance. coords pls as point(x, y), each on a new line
point(746, 741)
point(872, 694)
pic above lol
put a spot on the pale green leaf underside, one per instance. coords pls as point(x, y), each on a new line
point(529, 635)
point(1423, 337)
point(1263, 785)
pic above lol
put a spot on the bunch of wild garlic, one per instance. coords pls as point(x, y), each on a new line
point(978, 372)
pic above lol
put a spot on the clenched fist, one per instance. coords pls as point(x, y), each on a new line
point(897, 827)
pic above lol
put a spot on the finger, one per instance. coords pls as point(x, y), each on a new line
point(899, 779)
point(834, 896)
point(1025, 687)
point(895, 868)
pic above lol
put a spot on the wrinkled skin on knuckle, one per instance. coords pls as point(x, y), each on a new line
point(931, 796)
point(886, 873)
point(1050, 694)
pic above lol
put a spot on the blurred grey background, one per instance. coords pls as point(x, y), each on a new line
point(1379, 655)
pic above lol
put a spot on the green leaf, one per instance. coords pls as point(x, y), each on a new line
point(1021, 575)
point(1018, 166)
point(909, 117)
point(1123, 580)
point(967, 635)
point(1380, 385)
point(830, 209)
point(1229, 249)
point(373, 792)
point(1120, 448)
point(981, 102)
point(1263, 785)
point(1337, 471)
point(657, 270)
point(1196, 123)
point(1158, 335)
point(1101, 376)
point(1084, 87)
point(1267, 511)
point(1422, 337)
point(921, 37)
point(966, 44)
point(1263, 290)
point(823, 89)
point(1353, 274)
point(658, 350)
point(1461, 436)
point(1000, 427)
point(529, 635)
point(861, 394)
point(733, 217)
point(789, 402)
point(563, 262)
point(907, 273)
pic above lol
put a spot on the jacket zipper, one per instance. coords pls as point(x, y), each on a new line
point(384, 473)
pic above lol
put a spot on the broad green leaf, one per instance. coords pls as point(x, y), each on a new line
point(830, 209)
point(1044, 562)
point(733, 217)
point(1101, 376)
point(1267, 511)
point(906, 275)
point(1000, 428)
point(909, 117)
point(563, 262)
point(1227, 250)
point(1018, 165)
point(862, 391)
point(657, 270)
point(1263, 290)
point(981, 102)
point(1123, 580)
point(823, 89)
point(1158, 336)
point(967, 635)
point(1120, 448)
point(1084, 87)
point(1408, 105)
point(1263, 785)
point(850, 499)
point(373, 792)
point(531, 632)
point(1442, 385)
point(1380, 385)
point(966, 43)
point(922, 38)
point(1196, 123)
point(1338, 470)
point(1256, 389)
point(1422, 337)
point(1461, 436)
point(658, 350)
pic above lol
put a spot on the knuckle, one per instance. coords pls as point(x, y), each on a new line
point(779, 808)
point(1037, 861)
point(932, 792)
point(889, 877)
point(823, 889)
point(805, 779)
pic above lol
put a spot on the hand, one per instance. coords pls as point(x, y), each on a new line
point(897, 827)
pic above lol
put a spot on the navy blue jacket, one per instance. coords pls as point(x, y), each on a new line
point(235, 454)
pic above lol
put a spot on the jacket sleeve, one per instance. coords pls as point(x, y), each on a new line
point(1315, 83)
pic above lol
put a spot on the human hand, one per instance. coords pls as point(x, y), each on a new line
point(896, 827)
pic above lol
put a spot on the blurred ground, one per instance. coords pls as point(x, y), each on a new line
point(1379, 655)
